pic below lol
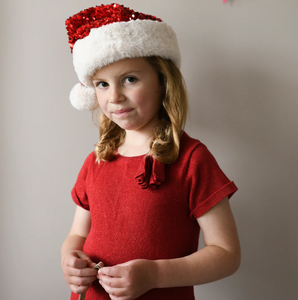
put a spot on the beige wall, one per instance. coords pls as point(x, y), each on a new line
point(240, 63)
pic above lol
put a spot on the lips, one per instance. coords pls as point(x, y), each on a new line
point(122, 112)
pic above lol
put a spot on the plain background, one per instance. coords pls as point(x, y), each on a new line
point(240, 62)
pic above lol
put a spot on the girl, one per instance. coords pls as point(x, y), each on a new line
point(148, 189)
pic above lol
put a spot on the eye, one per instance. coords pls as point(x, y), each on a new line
point(101, 84)
point(130, 79)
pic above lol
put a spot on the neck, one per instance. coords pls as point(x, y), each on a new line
point(136, 143)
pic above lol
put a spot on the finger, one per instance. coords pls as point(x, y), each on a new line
point(101, 264)
point(78, 289)
point(119, 298)
point(85, 272)
point(115, 271)
point(75, 262)
point(81, 281)
point(116, 298)
point(113, 291)
point(114, 282)
point(93, 264)
point(83, 260)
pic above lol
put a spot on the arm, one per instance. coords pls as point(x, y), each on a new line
point(218, 259)
point(76, 265)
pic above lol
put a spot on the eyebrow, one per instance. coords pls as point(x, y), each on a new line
point(120, 75)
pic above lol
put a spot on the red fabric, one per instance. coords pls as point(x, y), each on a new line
point(130, 220)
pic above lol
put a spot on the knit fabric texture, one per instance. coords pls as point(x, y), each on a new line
point(130, 220)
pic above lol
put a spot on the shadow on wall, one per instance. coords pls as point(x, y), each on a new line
point(247, 105)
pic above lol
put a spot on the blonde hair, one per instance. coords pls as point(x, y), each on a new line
point(173, 112)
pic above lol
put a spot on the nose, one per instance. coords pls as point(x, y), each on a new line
point(116, 94)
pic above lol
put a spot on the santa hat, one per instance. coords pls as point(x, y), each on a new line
point(101, 35)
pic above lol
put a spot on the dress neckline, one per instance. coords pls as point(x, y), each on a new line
point(130, 157)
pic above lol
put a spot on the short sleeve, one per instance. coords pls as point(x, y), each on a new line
point(79, 192)
point(207, 183)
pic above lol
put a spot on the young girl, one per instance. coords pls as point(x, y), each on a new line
point(148, 189)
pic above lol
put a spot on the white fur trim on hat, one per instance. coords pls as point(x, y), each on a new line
point(116, 41)
point(83, 97)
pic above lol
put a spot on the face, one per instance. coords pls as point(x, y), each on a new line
point(129, 93)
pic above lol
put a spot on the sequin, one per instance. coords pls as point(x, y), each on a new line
point(79, 25)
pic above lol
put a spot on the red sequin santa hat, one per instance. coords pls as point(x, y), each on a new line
point(101, 35)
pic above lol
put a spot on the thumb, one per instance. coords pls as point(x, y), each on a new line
point(96, 266)
point(83, 260)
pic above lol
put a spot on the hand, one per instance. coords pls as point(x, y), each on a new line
point(77, 271)
point(129, 280)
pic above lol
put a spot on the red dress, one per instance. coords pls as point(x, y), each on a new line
point(142, 208)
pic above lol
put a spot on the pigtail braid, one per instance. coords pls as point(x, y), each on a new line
point(111, 137)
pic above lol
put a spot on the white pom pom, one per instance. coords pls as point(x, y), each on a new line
point(82, 97)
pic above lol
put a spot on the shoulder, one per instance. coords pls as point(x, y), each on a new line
point(89, 162)
point(91, 158)
point(190, 147)
point(195, 156)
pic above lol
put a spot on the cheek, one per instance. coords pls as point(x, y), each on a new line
point(100, 102)
point(152, 107)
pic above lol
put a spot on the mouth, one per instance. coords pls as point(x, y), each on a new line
point(122, 112)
